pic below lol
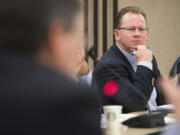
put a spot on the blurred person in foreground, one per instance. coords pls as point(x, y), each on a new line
point(172, 93)
point(40, 43)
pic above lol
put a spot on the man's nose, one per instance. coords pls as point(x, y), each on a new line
point(137, 32)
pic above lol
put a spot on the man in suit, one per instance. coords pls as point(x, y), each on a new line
point(39, 43)
point(126, 79)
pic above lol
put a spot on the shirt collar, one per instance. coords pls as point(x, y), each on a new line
point(130, 57)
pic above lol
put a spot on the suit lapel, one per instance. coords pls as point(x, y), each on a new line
point(121, 56)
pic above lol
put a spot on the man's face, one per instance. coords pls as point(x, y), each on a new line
point(133, 32)
point(66, 45)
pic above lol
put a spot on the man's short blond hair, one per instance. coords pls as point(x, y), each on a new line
point(129, 9)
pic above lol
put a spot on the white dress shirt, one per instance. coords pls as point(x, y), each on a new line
point(86, 79)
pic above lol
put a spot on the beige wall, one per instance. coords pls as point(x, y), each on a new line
point(164, 22)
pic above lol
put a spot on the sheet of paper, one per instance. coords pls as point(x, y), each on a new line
point(168, 106)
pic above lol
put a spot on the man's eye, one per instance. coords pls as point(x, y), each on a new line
point(141, 29)
point(131, 29)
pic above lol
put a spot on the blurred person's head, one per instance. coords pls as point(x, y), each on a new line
point(49, 30)
point(130, 28)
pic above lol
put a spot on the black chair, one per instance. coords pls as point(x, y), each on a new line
point(175, 70)
point(178, 72)
point(178, 68)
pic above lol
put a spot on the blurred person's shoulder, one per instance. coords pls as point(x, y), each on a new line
point(21, 74)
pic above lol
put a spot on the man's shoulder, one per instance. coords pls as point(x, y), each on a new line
point(109, 53)
point(110, 58)
point(35, 78)
point(38, 83)
point(56, 82)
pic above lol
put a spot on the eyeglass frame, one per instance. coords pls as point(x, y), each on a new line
point(134, 29)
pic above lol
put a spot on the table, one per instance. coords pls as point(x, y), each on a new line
point(140, 131)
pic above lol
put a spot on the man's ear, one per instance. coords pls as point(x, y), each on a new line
point(116, 35)
point(56, 35)
point(147, 36)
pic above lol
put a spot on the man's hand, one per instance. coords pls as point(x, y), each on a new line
point(81, 67)
point(78, 60)
point(143, 54)
point(84, 70)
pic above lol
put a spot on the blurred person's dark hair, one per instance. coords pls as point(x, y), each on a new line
point(24, 23)
point(129, 9)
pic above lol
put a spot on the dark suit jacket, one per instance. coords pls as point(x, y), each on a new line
point(134, 89)
point(35, 100)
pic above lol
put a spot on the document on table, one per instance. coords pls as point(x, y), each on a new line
point(167, 107)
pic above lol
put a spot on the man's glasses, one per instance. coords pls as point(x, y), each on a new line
point(133, 29)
